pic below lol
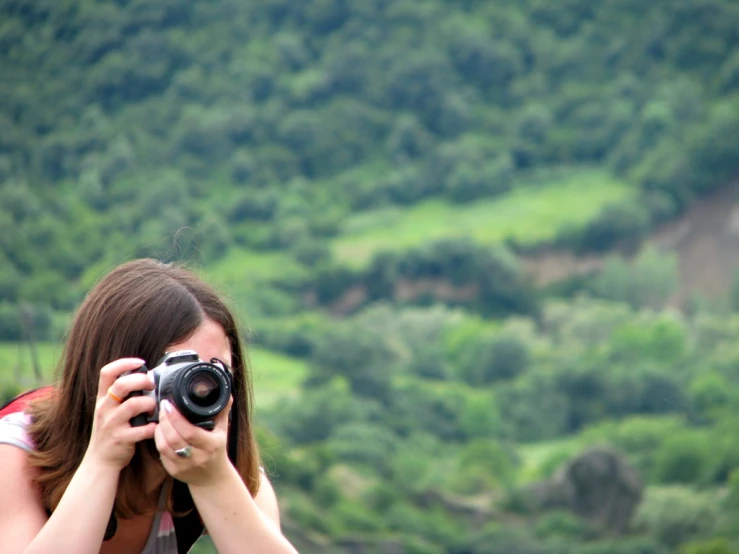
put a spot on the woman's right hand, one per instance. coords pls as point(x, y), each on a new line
point(113, 440)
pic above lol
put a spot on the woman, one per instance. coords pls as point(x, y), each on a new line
point(85, 480)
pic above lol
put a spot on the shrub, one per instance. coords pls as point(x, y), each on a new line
point(622, 546)
point(561, 525)
point(24, 322)
point(500, 357)
point(621, 224)
point(532, 408)
point(418, 406)
point(647, 282)
point(713, 546)
point(480, 417)
point(363, 443)
point(483, 465)
point(359, 353)
point(674, 515)
point(662, 338)
point(639, 436)
point(684, 458)
point(710, 395)
point(319, 412)
point(500, 539)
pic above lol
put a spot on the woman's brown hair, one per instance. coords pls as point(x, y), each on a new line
point(137, 310)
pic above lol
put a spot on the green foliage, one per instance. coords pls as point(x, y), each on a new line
point(545, 459)
point(648, 281)
point(361, 354)
point(529, 214)
point(302, 93)
point(499, 539)
point(363, 443)
point(625, 546)
point(684, 458)
point(425, 407)
point(455, 271)
point(460, 341)
point(354, 518)
point(676, 514)
point(11, 327)
point(204, 546)
point(548, 420)
point(561, 525)
point(618, 224)
point(480, 417)
point(711, 395)
point(483, 465)
point(713, 546)
point(639, 436)
point(274, 374)
point(501, 357)
point(360, 177)
point(319, 412)
point(662, 337)
point(431, 523)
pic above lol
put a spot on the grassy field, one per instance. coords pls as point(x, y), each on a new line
point(16, 364)
point(529, 213)
point(274, 375)
point(242, 265)
point(540, 458)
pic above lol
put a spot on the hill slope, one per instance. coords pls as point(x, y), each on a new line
point(370, 181)
point(267, 125)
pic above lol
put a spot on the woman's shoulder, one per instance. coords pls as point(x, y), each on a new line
point(14, 431)
point(17, 477)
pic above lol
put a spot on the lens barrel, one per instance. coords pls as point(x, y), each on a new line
point(200, 390)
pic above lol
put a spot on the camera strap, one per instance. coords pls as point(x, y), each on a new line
point(189, 527)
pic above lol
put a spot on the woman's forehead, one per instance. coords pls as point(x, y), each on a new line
point(210, 341)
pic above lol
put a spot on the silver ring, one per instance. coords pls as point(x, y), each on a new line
point(184, 452)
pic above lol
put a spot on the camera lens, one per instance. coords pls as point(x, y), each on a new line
point(203, 389)
point(200, 391)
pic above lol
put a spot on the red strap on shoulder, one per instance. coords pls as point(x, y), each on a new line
point(19, 403)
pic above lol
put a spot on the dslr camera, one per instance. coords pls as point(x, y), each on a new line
point(200, 390)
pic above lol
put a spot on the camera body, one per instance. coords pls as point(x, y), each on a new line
point(200, 390)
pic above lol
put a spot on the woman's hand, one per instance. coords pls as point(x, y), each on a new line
point(208, 459)
point(113, 440)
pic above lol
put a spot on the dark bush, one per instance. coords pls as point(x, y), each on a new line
point(623, 224)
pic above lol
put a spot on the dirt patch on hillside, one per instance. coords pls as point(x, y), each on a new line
point(404, 290)
point(705, 238)
point(553, 266)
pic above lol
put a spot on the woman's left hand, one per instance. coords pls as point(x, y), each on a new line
point(207, 458)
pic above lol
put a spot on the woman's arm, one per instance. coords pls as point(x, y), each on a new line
point(235, 521)
point(76, 526)
point(78, 523)
point(266, 499)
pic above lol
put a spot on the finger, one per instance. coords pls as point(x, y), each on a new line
point(138, 434)
point(222, 419)
point(174, 418)
point(124, 386)
point(110, 372)
point(160, 441)
point(168, 441)
point(169, 432)
point(132, 407)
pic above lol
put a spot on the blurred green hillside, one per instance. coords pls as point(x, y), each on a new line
point(197, 130)
point(379, 187)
